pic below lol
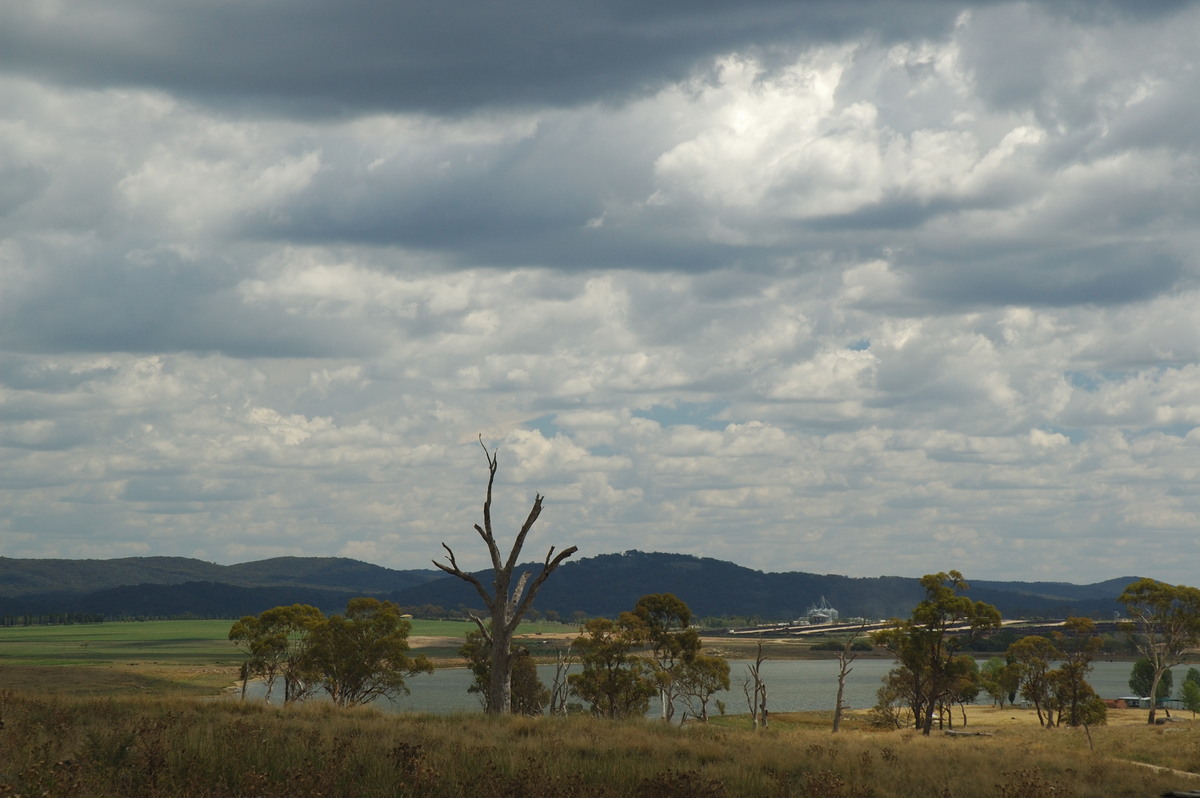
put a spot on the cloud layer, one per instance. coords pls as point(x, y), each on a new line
point(882, 288)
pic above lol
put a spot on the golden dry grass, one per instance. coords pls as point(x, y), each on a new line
point(153, 746)
point(134, 678)
point(137, 728)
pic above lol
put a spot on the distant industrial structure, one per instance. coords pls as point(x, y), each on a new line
point(820, 613)
point(822, 619)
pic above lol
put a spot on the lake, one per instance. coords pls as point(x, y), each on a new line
point(792, 686)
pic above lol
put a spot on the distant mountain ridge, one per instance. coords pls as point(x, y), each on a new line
point(603, 585)
point(175, 586)
point(39, 577)
point(608, 584)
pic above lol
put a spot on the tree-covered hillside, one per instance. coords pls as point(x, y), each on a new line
point(604, 585)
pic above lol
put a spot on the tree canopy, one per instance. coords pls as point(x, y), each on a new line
point(355, 657)
point(1164, 625)
point(615, 680)
point(926, 644)
point(276, 643)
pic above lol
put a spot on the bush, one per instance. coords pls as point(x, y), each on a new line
point(832, 645)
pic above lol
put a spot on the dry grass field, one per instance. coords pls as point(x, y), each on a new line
point(163, 724)
point(140, 741)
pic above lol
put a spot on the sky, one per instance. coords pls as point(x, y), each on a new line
point(857, 288)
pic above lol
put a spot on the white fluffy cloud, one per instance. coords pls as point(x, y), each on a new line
point(873, 299)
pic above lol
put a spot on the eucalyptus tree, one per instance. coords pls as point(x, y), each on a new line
point(1033, 656)
point(1189, 693)
point(507, 603)
point(276, 643)
point(615, 679)
point(699, 680)
point(1078, 644)
point(363, 654)
point(1164, 626)
point(1001, 679)
point(666, 622)
point(1141, 681)
point(926, 644)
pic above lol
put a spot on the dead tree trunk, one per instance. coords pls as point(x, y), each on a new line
point(756, 690)
point(506, 604)
point(845, 658)
point(559, 689)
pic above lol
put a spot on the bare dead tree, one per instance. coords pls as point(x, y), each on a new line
point(506, 603)
point(559, 689)
point(845, 658)
point(756, 690)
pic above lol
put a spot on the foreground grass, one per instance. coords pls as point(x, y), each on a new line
point(152, 746)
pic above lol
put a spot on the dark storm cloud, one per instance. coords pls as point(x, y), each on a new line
point(319, 56)
point(499, 221)
point(893, 213)
point(1100, 275)
point(19, 184)
point(422, 209)
point(112, 305)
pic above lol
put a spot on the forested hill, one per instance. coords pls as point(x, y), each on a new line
point(177, 586)
point(603, 585)
point(23, 578)
point(611, 583)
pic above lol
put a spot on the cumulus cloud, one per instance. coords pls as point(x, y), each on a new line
point(861, 290)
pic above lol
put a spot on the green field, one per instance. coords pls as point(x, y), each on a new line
point(140, 657)
point(178, 642)
point(197, 643)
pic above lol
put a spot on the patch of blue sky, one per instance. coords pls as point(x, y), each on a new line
point(705, 415)
point(1092, 381)
point(1180, 430)
point(548, 429)
point(1072, 434)
point(860, 345)
point(545, 425)
point(1086, 380)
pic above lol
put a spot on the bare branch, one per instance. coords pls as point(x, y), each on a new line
point(519, 543)
point(454, 570)
point(486, 531)
point(547, 569)
point(483, 629)
point(515, 599)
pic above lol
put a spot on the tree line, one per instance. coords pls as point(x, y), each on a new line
point(933, 672)
point(653, 649)
point(354, 658)
point(52, 618)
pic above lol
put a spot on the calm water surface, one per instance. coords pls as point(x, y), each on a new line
point(792, 685)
